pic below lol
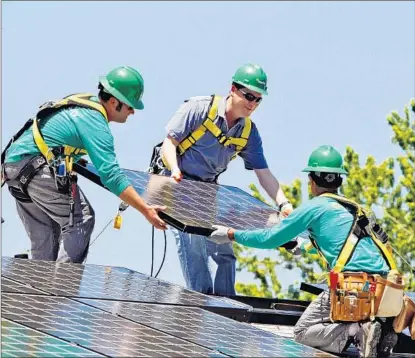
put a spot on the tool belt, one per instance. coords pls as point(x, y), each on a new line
point(61, 171)
point(25, 176)
point(359, 296)
point(406, 318)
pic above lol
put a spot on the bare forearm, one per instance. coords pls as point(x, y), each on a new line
point(131, 197)
point(169, 152)
point(150, 212)
point(271, 185)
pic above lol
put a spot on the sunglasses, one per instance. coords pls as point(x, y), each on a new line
point(250, 97)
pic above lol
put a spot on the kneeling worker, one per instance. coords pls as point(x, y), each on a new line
point(356, 251)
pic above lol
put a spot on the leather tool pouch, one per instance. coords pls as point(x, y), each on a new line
point(353, 301)
point(406, 317)
point(349, 303)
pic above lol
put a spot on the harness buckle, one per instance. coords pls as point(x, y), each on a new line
point(40, 160)
point(223, 139)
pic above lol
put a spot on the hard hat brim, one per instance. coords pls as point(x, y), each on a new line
point(324, 170)
point(252, 88)
point(118, 95)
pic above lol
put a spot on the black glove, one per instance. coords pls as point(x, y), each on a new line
point(83, 162)
point(290, 244)
point(380, 234)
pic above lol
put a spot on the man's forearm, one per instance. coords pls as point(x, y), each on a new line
point(271, 185)
point(131, 197)
point(169, 152)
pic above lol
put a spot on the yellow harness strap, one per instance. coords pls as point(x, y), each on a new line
point(81, 100)
point(352, 240)
point(209, 125)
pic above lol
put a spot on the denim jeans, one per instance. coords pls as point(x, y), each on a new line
point(194, 253)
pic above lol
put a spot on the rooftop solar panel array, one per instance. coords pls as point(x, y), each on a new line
point(63, 310)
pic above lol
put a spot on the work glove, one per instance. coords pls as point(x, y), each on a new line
point(220, 235)
point(377, 229)
point(273, 220)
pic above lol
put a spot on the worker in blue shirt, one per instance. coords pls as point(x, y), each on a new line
point(329, 222)
point(37, 166)
point(203, 136)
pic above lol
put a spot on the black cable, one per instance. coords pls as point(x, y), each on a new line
point(152, 250)
point(164, 254)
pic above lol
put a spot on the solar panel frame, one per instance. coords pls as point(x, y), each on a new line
point(21, 341)
point(207, 329)
point(116, 283)
point(94, 329)
point(237, 208)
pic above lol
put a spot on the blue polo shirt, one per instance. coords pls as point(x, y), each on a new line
point(207, 157)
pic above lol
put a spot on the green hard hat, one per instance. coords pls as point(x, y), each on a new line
point(252, 77)
point(125, 84)
point(325, 159)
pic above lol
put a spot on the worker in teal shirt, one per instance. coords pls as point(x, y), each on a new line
point(37, 167)
point(329, 224)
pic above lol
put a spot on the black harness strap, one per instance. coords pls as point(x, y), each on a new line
point(26, 126)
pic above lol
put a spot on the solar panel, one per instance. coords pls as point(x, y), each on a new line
point(11, 286)
point(94, 329)
point(117, 283)
point(207, 329)
point(194, 206)
point(21, 341)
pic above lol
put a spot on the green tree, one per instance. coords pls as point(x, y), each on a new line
point(387, 188)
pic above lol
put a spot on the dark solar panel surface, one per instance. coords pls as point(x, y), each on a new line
point(94, 329)
point(117, 283)
point(195, 206)
point(11, 286)
point(207, 329)
point(21, 341)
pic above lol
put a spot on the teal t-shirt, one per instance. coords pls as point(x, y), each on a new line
point(80, 128)
point(328, 223)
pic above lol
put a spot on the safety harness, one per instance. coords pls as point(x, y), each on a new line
point(209, 125)
point(358, 296)
point(360, 228)
point(158, 162)
point(59, 159)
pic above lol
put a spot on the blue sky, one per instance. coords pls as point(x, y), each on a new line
point(335, 70)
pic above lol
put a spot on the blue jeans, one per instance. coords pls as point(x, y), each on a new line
point(194, 252)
